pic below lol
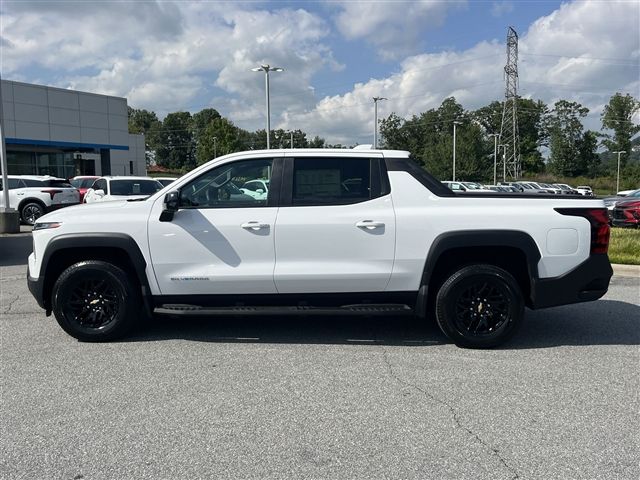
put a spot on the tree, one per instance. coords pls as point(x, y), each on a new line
point(199, 123)
point(564, 130)
point(429, 137)
point(175, 144)
point(618, 116)
point(530, 115)
point(146, 122)
point(220, 137)
point(589, 159)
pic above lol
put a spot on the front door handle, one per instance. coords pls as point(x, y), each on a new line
point(369, 224)
point(255, 226)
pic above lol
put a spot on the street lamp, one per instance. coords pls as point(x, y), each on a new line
point(266, 69)
point(215, 147)
point(455, 122)
point(495, 156)
point(375, 120)
point(504, 161)
point(618, 177)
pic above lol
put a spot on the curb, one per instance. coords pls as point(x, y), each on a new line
point(626, 270)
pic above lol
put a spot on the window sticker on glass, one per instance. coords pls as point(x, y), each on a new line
point(319, 183)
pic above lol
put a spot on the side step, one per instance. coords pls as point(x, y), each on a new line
point(184, 310)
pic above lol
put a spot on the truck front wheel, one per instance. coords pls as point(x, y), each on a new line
point(95, 301)
point(479, 306)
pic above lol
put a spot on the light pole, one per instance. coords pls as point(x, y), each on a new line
point(375, 120)
point(266, 69)
point(504, 161)
point(618, 177)
point(215, 147)
point(291, 138)
point(495, 156)
point(455, 122)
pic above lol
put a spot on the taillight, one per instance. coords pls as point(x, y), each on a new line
point(51, 192)
point(599, 220)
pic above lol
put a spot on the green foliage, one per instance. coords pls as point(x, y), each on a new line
point(429, 137)
point(147, 123)
point(564, 129)
point(175, 143)
point(618, 116)
point(624, 246)
point(220, 137)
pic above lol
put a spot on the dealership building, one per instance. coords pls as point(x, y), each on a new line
point(64, 133)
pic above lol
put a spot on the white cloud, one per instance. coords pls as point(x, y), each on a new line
point(393, 27)
point(577, 53)
point(189, 55)
point(498, 9)
point(166, 56)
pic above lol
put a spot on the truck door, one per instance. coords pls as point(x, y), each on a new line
point(220, 241)
point(335, 230)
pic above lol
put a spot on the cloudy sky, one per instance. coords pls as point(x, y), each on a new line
point(337, 55)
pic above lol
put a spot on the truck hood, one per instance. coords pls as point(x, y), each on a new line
point(78, 213)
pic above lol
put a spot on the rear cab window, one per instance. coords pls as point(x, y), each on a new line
point(334, 180)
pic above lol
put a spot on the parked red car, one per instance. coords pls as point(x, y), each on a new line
point(626, 214)
point(83, 183)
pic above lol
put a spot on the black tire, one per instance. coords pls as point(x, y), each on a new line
point(30, 212)
point(479, 306)
point(95, 301)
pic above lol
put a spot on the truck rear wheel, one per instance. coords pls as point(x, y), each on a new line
point(95, 301)
point(479, 306)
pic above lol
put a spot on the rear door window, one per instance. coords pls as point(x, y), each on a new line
point(332, 181)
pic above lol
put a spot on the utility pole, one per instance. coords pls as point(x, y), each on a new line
point(618, 176)
point(9, 218)
point(215, 147)
point(453, 177)
point(495, 156)
point(509, 126)
point(291, 139)
point(375, 120)
point(266, 69)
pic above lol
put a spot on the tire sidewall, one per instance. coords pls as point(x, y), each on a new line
point(24, 208)
point(463, 279)
point(124, 290)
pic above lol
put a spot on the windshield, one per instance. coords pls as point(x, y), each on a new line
point(135, 187)
point(471, 186)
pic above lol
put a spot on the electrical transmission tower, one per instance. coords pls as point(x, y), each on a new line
point(509, 135)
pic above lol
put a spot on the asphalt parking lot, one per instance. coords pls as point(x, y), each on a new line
point(319, 397)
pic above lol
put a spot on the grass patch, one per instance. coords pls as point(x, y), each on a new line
point(624, 246)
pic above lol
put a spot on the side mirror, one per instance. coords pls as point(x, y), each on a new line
point(260, 191)
point(171, 206)
point(99, 193)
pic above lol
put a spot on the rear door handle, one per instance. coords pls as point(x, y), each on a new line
point(253, 225)
point(369, 224)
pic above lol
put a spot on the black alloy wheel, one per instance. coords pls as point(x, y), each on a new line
point(479, 306)
point(95, 301)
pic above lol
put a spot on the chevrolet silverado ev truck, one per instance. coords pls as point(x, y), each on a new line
point(345, 232)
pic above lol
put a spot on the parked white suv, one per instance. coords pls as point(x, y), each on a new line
point(106, 189)
point(34, 195)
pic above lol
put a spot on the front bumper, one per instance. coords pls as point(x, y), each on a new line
point(587, 282)
point(36, 287)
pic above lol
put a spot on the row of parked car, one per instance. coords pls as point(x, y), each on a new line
point(35, 195)
point(522, 187)
point(623, 208)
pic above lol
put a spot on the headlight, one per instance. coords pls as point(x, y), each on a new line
point(46, 225)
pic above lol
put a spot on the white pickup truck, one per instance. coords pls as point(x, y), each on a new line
point(340, 232)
